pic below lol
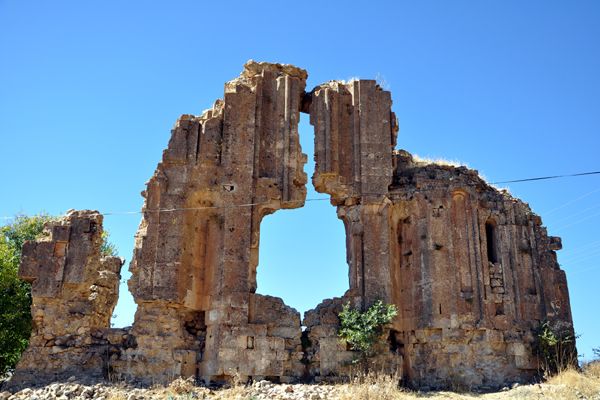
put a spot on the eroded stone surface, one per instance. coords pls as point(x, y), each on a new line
point(474, 273)
point(227, 169)
point(74, 292)
point(471, 269)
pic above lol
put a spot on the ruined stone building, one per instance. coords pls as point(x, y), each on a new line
point(471, 269)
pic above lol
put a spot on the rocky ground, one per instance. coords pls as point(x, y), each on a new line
point(568, 385)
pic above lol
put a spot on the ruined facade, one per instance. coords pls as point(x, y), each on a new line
point(74, 291)
point(470, 269)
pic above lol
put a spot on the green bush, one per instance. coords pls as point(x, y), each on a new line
point(363, 330)
point(15, 295)
point(107, 249)
point(555, 346)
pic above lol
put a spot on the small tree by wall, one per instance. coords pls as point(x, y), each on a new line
point(555, 347)
point(363, 330)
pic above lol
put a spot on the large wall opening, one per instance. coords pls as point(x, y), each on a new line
point(302, 252)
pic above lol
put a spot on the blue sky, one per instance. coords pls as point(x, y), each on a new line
point(90, 90)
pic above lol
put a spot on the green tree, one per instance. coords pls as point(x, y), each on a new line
point(362, 330)
point(107, 249)
point(15, 295)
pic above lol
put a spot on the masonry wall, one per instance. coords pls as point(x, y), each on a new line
point(471, 269)
point(74, 292)
point(474, 274)
point(222, 173)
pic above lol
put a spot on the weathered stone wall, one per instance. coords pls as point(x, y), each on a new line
point(471, 270)
point(74, 292)
point(221, 174)
point(474, 273)
point(355, 134)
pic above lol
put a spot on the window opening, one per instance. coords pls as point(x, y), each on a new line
point(490, 236)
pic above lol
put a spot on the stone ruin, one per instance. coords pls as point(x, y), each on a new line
point(471, 269)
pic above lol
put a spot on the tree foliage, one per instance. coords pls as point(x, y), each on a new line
point(555, 346)
point(362, 330)
point(107, 249)
point(15, 295)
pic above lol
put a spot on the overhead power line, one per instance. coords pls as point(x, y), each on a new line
point(583, 196)
point(200, 208)
point(190, 208)
point(320, 198)
point(541, 178)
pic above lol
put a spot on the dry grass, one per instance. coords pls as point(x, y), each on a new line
point(438, 161)
point(117, 396)
point(385, 387)
point(568, 385)
point(182, 386)
point(571, 384)
point(371, 387)
point(455, 163)
point(592, 369)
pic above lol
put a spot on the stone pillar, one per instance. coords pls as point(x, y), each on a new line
point(355, 133)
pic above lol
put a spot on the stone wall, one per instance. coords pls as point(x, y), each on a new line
point(471, 269)
point(74, 291)
point(474, 273)
point(355, 134)
point(222, 172)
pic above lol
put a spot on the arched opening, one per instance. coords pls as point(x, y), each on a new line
point(490, 237)
point(302, 252)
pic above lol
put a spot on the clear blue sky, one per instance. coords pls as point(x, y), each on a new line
point(90, 90)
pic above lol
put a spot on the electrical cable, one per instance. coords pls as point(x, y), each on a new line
point(547, 177)
point(323, 199)
point(583, 196)
point(188, 208)
point(576, 222)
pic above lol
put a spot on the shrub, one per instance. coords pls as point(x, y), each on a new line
point(15, 295)
point(107, 249)
point(362, 330)
point(555, 346)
